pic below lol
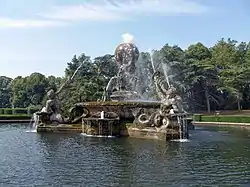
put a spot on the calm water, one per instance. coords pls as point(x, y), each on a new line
point(212, 157)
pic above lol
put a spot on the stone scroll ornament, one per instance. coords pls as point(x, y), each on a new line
point(170, 103)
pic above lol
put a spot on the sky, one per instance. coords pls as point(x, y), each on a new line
point(43, 35)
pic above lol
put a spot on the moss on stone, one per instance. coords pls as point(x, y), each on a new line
point(122, 103)
point(129, 124)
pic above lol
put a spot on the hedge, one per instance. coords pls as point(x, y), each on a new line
point(1, 111)
point(8, 111)
point(222, 118)
point(32, 110)
point(20, 111)
point(197, 117)
point(15, 117)
point(13, 111)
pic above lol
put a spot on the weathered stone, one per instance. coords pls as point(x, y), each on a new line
point(102, 127)
point(125, 114)
point(62, 128)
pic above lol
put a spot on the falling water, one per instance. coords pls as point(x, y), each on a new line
point(99, 130)
point(34, 123)
point(182, 129)
point(184, 121)
point(180, 119)
point(110, 129)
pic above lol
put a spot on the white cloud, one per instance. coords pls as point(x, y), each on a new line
point(117, 10)
point(26, 23)
point(105, 10)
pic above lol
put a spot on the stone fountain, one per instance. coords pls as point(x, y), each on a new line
point(122, 111)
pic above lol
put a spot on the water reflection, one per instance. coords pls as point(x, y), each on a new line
point(213, 156)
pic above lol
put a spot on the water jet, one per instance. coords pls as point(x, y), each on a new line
point(123, 111)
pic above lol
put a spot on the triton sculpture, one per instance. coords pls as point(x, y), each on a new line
point(52, 112)
point(122, 112)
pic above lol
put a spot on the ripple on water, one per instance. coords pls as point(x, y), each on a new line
point(210, 158)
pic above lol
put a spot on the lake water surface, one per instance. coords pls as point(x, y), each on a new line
point(212, 157)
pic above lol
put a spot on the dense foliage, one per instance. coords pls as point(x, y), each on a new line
point(215, 78)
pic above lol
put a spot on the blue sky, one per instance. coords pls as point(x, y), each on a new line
point(43, 35)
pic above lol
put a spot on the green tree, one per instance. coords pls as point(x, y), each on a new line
point(82, 86)
point(175, 68)
point(54, 82)
point(5, 92)
point(202, 74)
point(226, 58)
point(29, 91)
point(105, 68)
point(208, 78)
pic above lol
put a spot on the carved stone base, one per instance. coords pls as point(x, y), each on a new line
point(62, 128)
point(101, 127)
point(151, 133)
point(124, 96)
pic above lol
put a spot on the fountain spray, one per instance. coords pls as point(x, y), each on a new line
point(71, 78)
point(166, 74)
point(151, 52)
point(151, 59)
point(127, 38)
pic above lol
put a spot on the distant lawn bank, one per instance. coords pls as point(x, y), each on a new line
point(231, 118)
point(15, 117)
point(227, 112)
point(17, 113)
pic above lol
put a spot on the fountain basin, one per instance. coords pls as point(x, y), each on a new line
point(101, 127)
point(126, 110)
point(61, 128)
point(172, 132)
point(120, 118)
point(153, 133)
point(124, 96)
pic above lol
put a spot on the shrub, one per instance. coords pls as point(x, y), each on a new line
point(1, 111)
point(15, 117)
point(8, 111)
point(20, 111)
point(32, 110)
point(226, 118)
point(197, 117)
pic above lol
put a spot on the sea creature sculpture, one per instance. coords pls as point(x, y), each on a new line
point(52, 112)
point(170, 104)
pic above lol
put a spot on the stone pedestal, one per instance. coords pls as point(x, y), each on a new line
point(124, 96)
point(62, 128)
point(153, 133)
point(101, 127)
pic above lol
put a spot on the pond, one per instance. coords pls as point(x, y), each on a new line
point(212, 156)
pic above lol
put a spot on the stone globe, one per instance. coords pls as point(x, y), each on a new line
point(126, 53)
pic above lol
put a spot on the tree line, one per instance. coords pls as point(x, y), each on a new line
point(208, 78)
